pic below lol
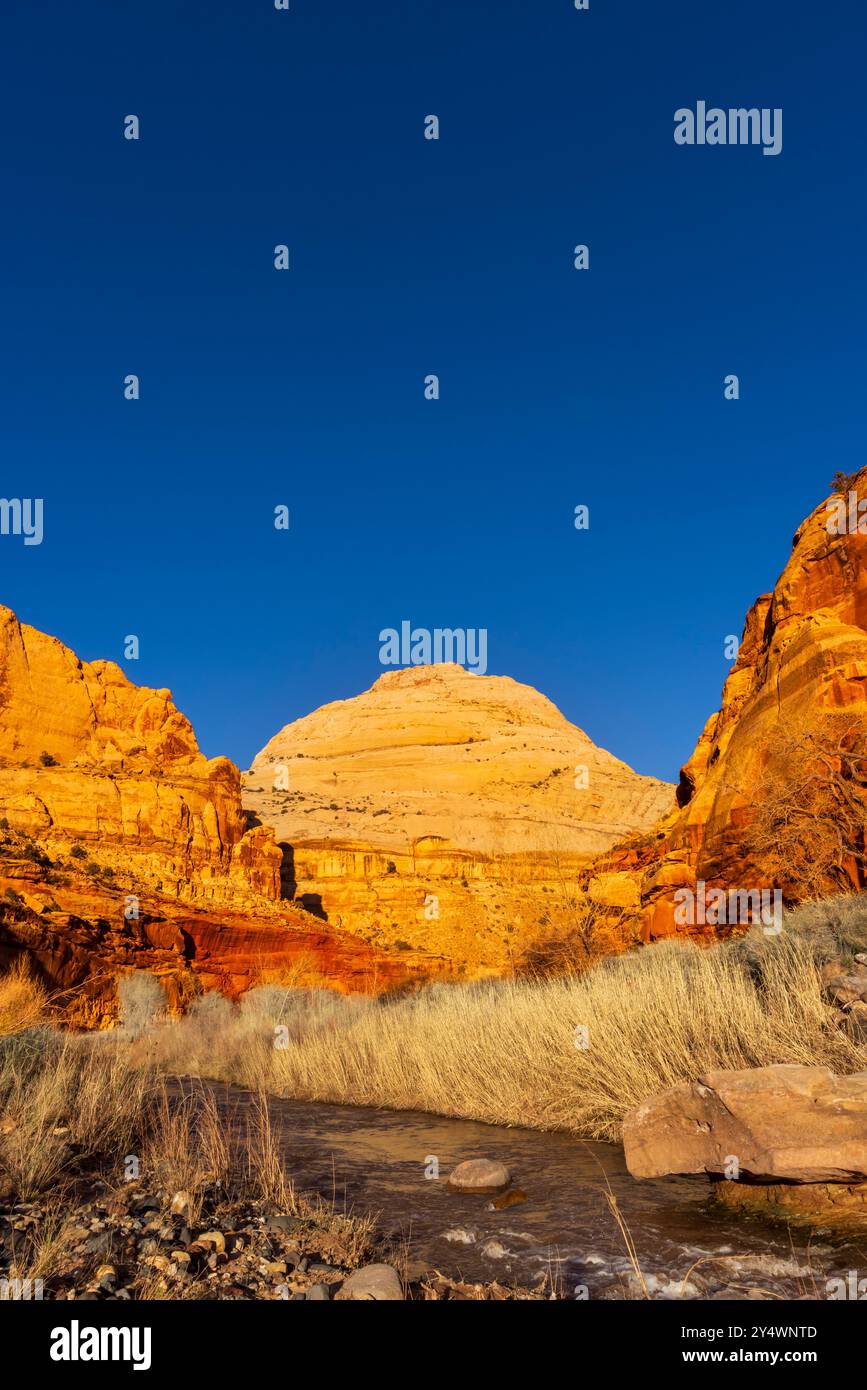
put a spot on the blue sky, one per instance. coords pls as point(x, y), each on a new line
point(411, 257)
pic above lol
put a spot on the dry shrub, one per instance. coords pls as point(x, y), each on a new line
point(809, 806)
point(590, 933)
point(142, 1001)
point(300, 973)
point(90, 1092)
point(23, 1001)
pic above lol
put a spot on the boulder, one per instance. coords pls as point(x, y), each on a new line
point(848, 988)
point(379, 1283)
point(777, 1124)
point(480, 1175)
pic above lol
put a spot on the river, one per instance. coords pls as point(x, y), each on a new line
point(377, 1160)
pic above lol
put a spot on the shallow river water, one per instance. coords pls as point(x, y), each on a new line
point(376, 1160)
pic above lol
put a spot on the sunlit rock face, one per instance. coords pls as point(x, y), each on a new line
point(123, 848)
point(89, 757)
point(445, 810)
point(803, 657)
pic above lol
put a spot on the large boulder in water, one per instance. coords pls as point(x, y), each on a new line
point(480, 1175)
point(768, 1124)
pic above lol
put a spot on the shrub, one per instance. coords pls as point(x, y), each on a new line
point(23, 1001)
point(212, 1010)
point(30, 850)
point(47, 760)
point(78, 852)
point(142, 1000)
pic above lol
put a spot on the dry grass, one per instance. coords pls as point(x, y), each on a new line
point(265, 1172)
point(23, 1001)
point(56, 1092)
point(44, 1249)
point(506, 1052)
point(185, 1147)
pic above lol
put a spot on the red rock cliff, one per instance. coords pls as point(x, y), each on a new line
point(803, 656)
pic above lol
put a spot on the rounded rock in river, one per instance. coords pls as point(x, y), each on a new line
point(480, 1175)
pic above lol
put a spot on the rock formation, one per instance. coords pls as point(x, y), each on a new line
point(785, 1142)
point(90, 758)
point(794, 704)
point(446, 811)
point(122, 847)
point(779, 1124)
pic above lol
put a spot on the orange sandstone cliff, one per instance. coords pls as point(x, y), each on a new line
point(803, 658)
point(121, 846)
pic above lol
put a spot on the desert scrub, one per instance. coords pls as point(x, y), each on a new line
point(23, 1001)
point(512, 1051)
point(141, 1002)
point(63, 1095)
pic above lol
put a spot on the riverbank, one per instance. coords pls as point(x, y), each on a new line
point(121, 1184)
point(574, 1053)
point(118, 1184)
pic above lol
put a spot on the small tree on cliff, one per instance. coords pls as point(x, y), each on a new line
point(809, 809)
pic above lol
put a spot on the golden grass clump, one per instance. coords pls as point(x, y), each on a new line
point(23, 1000)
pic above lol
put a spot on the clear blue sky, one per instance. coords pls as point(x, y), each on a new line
point(409, 257)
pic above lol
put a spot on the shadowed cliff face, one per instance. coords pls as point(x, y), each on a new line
point(799, 680)
point(445, 810)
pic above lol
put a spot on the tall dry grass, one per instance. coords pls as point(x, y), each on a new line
point(512, 1052)
point(61, 1094)
point(23, 1001)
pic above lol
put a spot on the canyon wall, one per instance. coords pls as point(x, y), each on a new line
point(90, 758)
point(803, 658)
point(122, 847)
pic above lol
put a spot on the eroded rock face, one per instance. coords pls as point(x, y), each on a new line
point(87, 757)
point(123, 848)
point(441, 808)
point(842, 1206)
point(74, 929)
point(803, 656)
point(776, 1124)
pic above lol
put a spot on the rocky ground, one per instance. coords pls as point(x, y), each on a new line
point(93, 1241)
